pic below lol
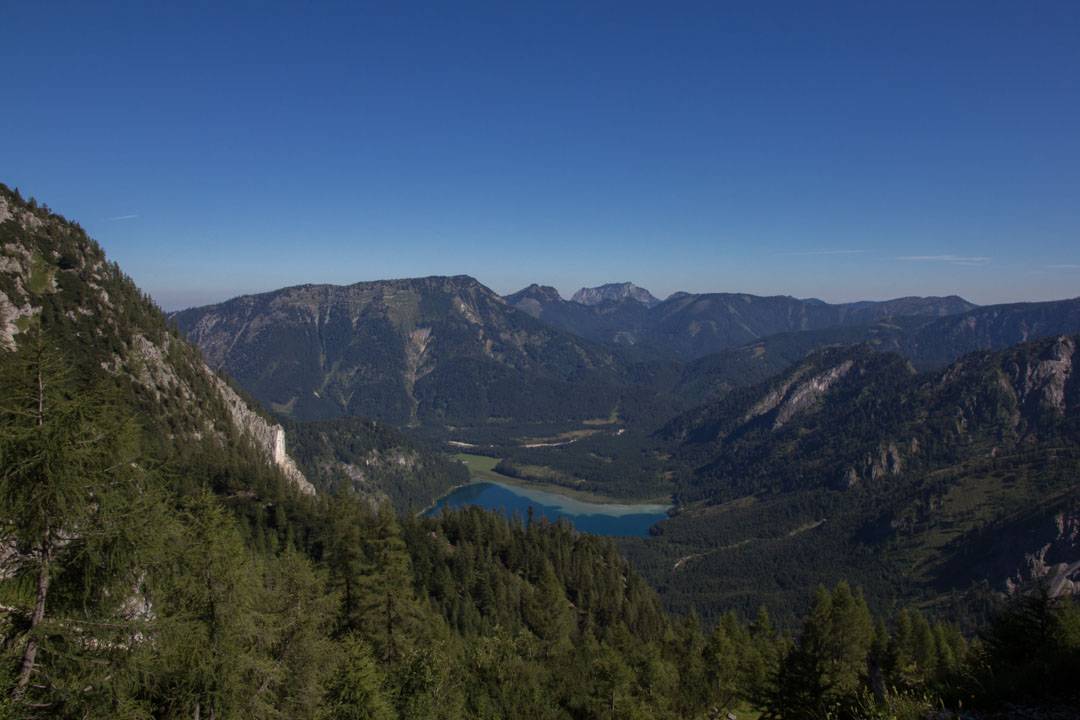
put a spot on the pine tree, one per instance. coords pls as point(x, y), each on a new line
point(723, 655)
point(548, 612)
point(299, 615)
point(611, 678)
point(208, 655)
point(77, 509)
point(385, 610)
point(356, 690)
point(827, 667)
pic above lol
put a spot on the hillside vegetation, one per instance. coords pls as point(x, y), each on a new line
point(163, 556)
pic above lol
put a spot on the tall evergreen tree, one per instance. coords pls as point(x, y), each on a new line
point(75, 509)
point(356, 690)
point(827, 667)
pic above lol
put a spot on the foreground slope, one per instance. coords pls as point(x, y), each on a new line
point(55, 278)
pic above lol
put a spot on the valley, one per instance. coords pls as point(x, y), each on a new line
point(525, 499)
point(821, 441)
point(930, 460)
point(483, 468)
point(540, 361)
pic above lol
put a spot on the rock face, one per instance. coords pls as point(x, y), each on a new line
point(614, 292)
point(849, 416)
point(17, 268)
point(808, 393)
point(411, 352)
point(268, 437)
point(49, 266)
point(1041, 381)
point(796, 394)
point(1056, 562)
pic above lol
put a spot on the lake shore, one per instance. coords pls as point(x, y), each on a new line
point(482, 469)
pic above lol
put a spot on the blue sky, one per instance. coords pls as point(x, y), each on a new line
point(837, 150)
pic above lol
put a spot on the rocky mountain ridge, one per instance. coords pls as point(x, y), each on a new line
point(1005, 398)
point(53, 276)
point(614, 292)
point(424, 350)
point(931, 483)
point(689, 326)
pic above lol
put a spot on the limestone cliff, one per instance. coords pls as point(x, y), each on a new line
point(52, 274)
point(268, 437)
point(1056, 561)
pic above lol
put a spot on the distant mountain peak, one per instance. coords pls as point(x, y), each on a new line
point(542, 293)
point(614, 292)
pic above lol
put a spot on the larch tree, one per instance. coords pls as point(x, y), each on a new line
point(75, 513)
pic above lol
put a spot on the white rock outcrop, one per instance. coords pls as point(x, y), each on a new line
point(268, 437)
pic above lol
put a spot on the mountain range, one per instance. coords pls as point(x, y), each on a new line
point(448, 351)
point(924, 485)
point(922, 447)
point(438, 350)
point(692, 325)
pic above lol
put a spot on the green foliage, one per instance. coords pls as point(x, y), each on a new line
point(374, 460)
point(77, 520)
point(1029, 655)
point(163, 569)
point(828, 662)
point(356, 690)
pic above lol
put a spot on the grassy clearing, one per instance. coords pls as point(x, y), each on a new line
point(41, 276)
point(482, 469)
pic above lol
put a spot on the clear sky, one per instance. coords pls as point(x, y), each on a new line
point(837, 150)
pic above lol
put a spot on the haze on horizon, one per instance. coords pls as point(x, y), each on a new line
point(853, 152)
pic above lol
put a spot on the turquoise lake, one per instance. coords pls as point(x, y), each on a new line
point(595, 518)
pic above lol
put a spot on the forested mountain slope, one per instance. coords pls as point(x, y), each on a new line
point(54, 278)
point(162, 558)
point(373, 460)
point(852, 464)
point(427, 350)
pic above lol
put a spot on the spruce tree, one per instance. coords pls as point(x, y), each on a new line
point(356, 690)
